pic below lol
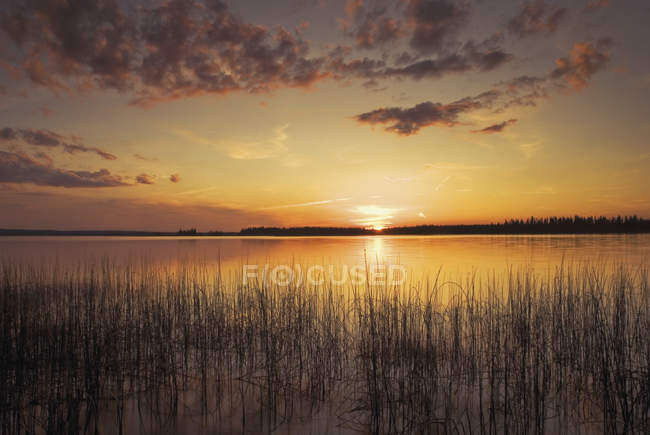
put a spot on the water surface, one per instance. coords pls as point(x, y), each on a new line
point(421, 255)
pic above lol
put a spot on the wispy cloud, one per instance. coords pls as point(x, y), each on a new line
point(146, 159)
point(49, 139)
point(407, 179)
point(536, 17)
point(495, 128)
point(442, 183)
point(450, 166)
point(198, 191)
point(530, 149)
point(273, 147)
point(306, 204)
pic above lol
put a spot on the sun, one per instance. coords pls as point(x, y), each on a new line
point(378, 227)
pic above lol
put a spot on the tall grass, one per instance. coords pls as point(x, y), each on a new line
point(133, 349)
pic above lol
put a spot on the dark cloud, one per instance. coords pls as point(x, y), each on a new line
point(8, 133)
point(183, 48)
point(487, 55)
point(146, 159)
point(496, 128)
point(175, 178)
point(365, 68)
point(144, 179)
point(20, 168)
point(536, 17)
point(431, 68)
point(172, 50)
point(434, 22)
point(408, 121)
point(42, 137)
point(44, 157)
point(571, 73)
point(371, 28)
point(50, 139)
point(87, 40)
point(471, 57)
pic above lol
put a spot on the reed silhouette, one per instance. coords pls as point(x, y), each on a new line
point(113, 349)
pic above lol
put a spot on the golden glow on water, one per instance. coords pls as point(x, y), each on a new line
point(421, 255)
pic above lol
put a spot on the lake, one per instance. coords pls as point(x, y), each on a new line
point(420, 255)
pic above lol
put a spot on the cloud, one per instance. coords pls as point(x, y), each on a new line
point(19, 168)
point(470, 56)
point(144, 179)
point(306, 204)
point(8, 134)
point(434, 22)
point(185, 48)
point(496, 128)
point(44, 157)
point(585, 60)
point(530, 149)
point(536, 17)
point(171, 50)
point(50, 139)
point(370, 28)
point(431, 68)
point(175, 178)
point(272, 147)
point(442, 183)
point(571, 73)
point(146, 159)
point(408, 121)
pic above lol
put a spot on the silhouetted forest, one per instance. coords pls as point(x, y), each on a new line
point(532, 225)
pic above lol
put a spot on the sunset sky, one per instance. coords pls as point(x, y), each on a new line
point(228, 114)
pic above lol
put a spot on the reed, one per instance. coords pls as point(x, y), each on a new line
point(102, 348)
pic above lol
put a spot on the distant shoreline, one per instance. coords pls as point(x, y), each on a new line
point(532, 226)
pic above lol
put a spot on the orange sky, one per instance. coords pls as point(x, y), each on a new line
point(223, 115)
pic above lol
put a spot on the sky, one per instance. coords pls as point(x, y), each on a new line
point(221, 115)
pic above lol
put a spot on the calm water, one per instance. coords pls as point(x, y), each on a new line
point(422, 255)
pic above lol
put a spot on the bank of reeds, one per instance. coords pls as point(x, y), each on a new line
point(118, 349)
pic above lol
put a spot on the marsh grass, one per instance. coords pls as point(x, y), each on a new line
point(134, 349)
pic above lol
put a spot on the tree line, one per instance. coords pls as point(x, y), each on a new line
point(531, 225)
